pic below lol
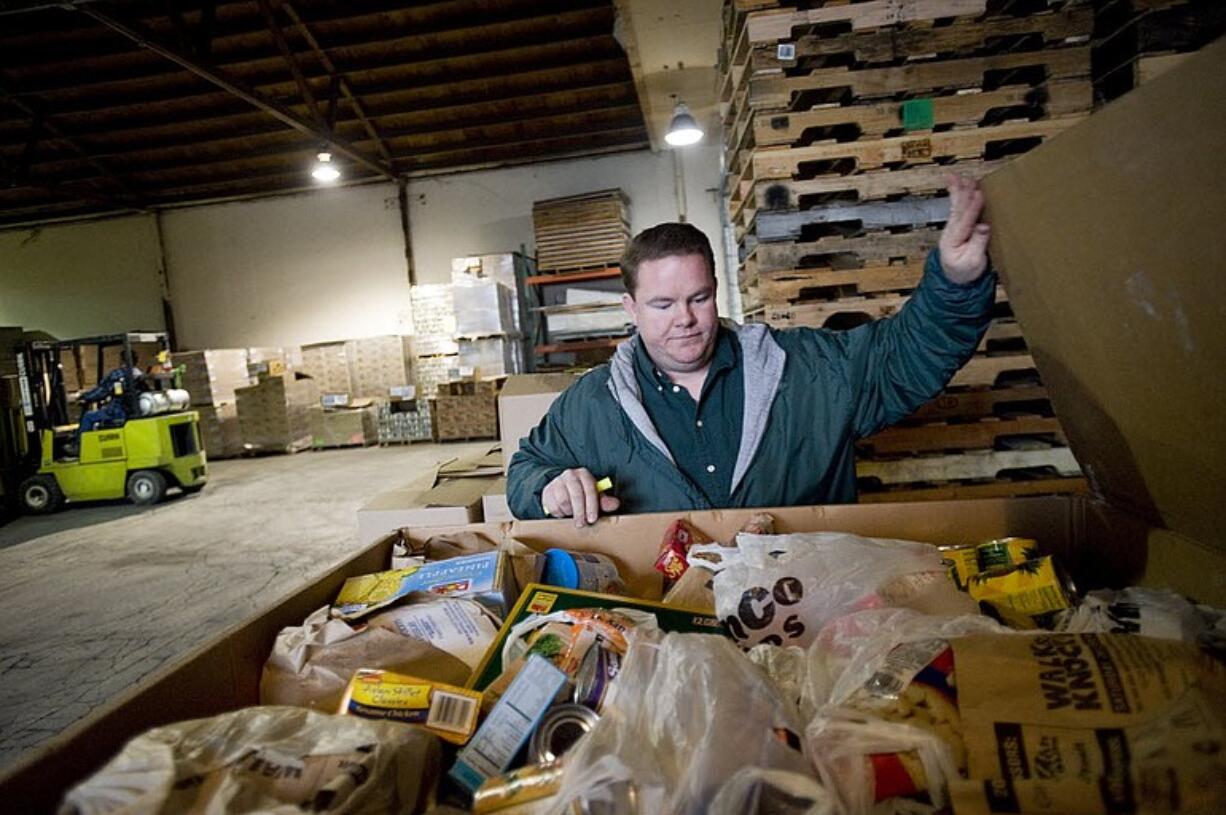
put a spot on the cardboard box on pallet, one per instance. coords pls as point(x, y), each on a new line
point(352, 426)
point(466, 410)
point(328, 364)
point(378, 364)
point(219, 430)
point(213, 375)
point(492, 356)
point(274, 414)
point(1140, 225)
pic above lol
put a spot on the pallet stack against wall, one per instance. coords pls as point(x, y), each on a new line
point(576, 293)
point(1137, 40)
point(841, 123)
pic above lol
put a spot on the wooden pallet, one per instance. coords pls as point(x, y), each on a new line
point(843, 253)
point(797, 285)
point(1063, 97)
point(820, 314)
point(862, 217)
point(990, 489)
point(974, 465)
point(982, 435)
point(964, 38)
point(904, 150)
point(771, 26)
point(874, 186)
point(953, 405)
point(766, 92)
point(986, 370)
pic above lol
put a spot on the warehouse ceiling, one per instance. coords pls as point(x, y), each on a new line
point(131, 106)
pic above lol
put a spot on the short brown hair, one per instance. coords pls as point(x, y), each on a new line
point(663, 241)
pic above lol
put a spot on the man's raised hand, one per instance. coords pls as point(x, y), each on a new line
point(964, 241)
point(574, 494)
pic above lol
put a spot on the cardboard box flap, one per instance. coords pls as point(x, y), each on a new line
point(456, 492)
point(1109, 239)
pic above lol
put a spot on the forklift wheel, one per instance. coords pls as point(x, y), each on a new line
point(146, 487)
point(41, 495)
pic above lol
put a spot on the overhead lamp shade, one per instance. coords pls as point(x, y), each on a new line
point(325, 171)
point(684, 129)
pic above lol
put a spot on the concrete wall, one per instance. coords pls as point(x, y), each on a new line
point(81, 279)
point(323, 265)
point(284, 271)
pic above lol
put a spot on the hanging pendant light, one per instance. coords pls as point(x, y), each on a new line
point(325, 171)
point(683, 130)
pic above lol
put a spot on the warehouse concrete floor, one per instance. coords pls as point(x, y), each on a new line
point(94, 598)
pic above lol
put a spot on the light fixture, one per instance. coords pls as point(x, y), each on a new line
point(325, 171)
point(684, 129)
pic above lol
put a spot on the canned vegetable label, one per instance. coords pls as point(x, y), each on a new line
point(1006, 552)
point(1026, 596)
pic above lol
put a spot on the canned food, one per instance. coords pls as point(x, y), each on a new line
point(530, 783)
point(1006, 552)
point(562, 726)
point(599, 668)
point(962, 562)
point(1027, 595)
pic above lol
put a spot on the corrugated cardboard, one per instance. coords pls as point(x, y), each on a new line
point(1102, 544)
point(524, 401)
point(328, 364)
point(450, 502)
point(494, 504)
point(213, 375)
point(274, 414)
point(1110, 242)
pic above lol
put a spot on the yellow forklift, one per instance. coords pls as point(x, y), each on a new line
point(144, 440)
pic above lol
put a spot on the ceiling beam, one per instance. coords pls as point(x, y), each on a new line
point(269, 106)
point(37, 114)
point(304, 89)
point(355, 105)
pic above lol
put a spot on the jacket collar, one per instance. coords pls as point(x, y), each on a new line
point(762, 361)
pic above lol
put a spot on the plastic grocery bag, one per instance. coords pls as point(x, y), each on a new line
point(311, 664)
point(886, 722)
point(275, 760)
point(777, 792)
point(781, 589)
point(685, 713)
point(1157, 613)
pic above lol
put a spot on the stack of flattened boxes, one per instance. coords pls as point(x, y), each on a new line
point(274, 414)
point(212, 377)
point(842, 122)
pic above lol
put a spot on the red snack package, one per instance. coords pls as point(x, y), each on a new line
point(674, 551)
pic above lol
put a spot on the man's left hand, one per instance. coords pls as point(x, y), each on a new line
point(964, 241)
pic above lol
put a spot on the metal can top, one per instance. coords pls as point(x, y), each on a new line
point(562, 726)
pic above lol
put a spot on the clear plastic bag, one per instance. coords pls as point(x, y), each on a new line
point(755, 791)
point(781, 589)
point(275, 760)
point(686, 712)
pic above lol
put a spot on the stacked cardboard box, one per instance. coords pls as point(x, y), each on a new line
point(212, 376)
point(842, 122)
point(328, 364)
point(434, 344)
point(379, 364)
point(219, 430)
point(274, 414)
point(344, 427)
point(507, 268)
point(466, 410)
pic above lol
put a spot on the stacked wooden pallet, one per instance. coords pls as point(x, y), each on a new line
point(841, 122)
point(1137, 40)
point(581, 231)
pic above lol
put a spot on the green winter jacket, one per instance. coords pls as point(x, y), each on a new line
point(809, 394)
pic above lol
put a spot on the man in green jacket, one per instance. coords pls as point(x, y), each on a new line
point(694, 414)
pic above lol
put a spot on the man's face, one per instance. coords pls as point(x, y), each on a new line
point(674, 309)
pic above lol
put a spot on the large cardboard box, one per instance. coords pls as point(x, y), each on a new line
point(483, 307)
point(213, 375)
point(344, 427)
point(378, 364)
point(522, 404)
point(1109, 240)
point(274, 414)
point(219, 430)
point(328, 364)
point(449, 502)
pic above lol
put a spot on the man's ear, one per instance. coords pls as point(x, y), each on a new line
point(631, 307)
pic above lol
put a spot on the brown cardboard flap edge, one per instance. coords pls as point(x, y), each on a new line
point(1109, 239)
